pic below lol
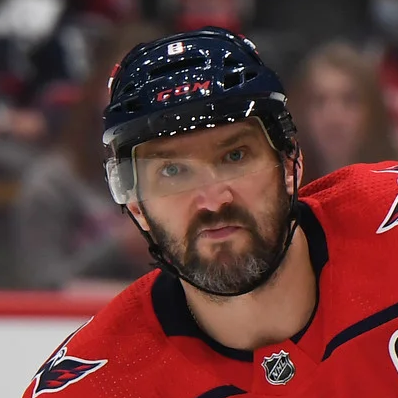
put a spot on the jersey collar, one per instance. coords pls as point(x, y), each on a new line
point(171, 309)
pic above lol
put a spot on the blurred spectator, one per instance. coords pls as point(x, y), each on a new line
point(115, 10)
point(23, 132)
point(24, 26)
point(385, 17)
point(67, 227)
point(62, 31)
point(284, 30)
point(339, 111)
point(192, 14)
point(29, 21)
point(315, 21)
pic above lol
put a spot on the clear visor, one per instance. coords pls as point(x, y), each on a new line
point(227, 154)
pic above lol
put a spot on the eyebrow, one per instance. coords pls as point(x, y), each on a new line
point(227, 142)
point(162, 154)
point(238, 136)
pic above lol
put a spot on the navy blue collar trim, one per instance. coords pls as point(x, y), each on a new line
point(170, 306)
point(319, 254)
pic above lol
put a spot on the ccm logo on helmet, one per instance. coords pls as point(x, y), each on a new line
point(181, 90)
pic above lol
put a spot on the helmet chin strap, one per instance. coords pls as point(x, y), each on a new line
point(292, 223)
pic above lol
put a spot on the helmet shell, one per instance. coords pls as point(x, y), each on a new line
point(187, 81)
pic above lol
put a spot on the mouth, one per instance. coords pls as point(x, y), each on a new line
point(219, 232)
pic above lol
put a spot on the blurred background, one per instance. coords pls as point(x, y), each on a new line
point(65, 247)
point(60, 230)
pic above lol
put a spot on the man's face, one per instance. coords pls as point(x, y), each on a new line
point(215, 202)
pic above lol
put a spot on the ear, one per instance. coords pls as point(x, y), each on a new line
point(138, 215)
point(289, 175)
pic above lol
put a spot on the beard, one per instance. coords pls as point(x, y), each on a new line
point(227, 271)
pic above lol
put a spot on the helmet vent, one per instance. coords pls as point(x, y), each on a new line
point(250, 75)
point(133, 105)
point(178, 66)
point(128, 89)
point(232, 80)
point(232, 62)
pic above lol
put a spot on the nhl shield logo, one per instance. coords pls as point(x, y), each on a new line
point(279, 369)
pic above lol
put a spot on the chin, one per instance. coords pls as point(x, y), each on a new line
point(226, 256)
point(238, 243)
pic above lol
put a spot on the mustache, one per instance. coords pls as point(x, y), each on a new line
point(227, 214)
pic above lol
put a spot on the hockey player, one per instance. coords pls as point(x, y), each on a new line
point(261, 290)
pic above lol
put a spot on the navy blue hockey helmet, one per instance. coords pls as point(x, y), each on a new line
point(192, 80)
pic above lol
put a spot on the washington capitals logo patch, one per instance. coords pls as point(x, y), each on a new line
point(391, 219)
point(61, 371)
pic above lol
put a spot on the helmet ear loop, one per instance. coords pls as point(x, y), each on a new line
point(293, 216)
point(295, 156)
point(292, 154)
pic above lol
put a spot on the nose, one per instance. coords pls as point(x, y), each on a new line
point(213, 196)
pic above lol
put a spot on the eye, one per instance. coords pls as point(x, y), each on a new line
point(235, 156)
point(171, 170)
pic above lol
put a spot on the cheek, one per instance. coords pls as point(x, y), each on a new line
point(257, 192)
point(171, 213)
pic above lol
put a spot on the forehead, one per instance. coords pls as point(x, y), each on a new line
point(206, 139)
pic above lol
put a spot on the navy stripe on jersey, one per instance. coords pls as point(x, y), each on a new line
point(319, 255)
point(316, 238)
point(222, 392)
point(361, 327)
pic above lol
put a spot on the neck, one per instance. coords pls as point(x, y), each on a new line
point(270, 314)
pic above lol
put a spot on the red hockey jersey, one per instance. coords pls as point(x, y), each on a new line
point(145, 344)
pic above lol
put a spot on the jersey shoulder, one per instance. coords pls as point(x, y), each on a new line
point(357, 208)
point(124, 335)
point(361, 195)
